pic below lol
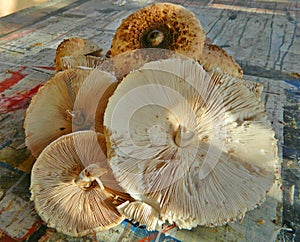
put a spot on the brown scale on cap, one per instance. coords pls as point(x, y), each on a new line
point(161, 25)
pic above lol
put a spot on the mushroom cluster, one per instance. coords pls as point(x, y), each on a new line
point(162, 129)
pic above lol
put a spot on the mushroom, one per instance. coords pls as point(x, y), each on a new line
point(75, 46)
point(72, 100)
point(195, 147)
point(161, 25)
point(72, 186)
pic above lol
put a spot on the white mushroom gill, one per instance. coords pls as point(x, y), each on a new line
point(191, 142)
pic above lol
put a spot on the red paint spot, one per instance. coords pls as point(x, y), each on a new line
point(16, 76)
point(30, 231)
point(5, 238)
point(50, 68)
point(147, 239)
point(169, 227)
point(18, 101)
point(18, 35)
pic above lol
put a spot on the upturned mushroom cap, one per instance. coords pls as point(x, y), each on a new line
point(196, 145)
point(75, 46)
point(72, 100)
point(161, 25)
point(73, 188)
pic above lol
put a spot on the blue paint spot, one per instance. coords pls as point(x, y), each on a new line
point(294, 93)
point(142, 233)
point(5, 144)
point(294, 82)
point(7, 166)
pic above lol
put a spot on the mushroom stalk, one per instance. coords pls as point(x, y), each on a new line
point(183, 136)
point(90, 174)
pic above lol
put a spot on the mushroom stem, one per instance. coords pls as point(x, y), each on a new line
point(77, 116)
point(90, 174)
point(183, 136)
point(73, 114)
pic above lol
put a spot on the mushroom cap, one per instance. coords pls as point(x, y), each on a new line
point(198, 145)
point(65, 188)
point(160, 25)
point(215, 58)
point(72, 100)
point(74, 46)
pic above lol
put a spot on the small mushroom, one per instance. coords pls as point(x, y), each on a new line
point(75, 46)
point(72, 100)
point(161, 25)
point(196, 147)
point(73, 188)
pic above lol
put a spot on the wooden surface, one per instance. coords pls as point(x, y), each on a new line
point(264, 38)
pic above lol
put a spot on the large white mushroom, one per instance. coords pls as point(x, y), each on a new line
point(192, 148)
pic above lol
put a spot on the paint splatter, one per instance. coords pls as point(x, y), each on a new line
point(17, 35)
point(15, 77)
point(31, 230)
point(5, 238)
point(148, 236)
point(18, 101)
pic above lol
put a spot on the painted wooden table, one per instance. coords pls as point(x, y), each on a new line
point(264, 38)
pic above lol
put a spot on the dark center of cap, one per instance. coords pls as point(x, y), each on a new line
point(159, 37)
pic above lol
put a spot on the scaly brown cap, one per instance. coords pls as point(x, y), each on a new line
point(161, 25)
